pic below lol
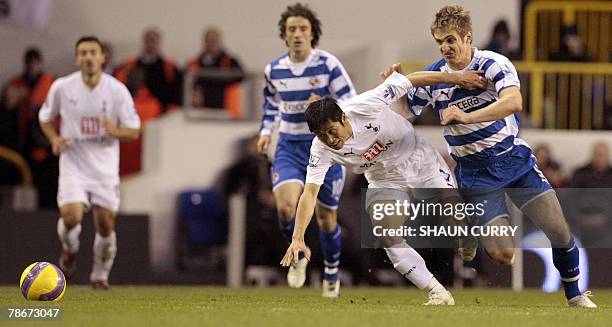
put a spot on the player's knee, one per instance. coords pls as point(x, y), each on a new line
point(286, 210)
point(502, 256)
point(71, 219)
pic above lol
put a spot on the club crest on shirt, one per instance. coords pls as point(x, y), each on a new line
point(373, 151)
point(314, 82)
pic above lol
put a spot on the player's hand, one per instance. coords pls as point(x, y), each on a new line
point(313, 97)
point(110, 127)
point(397, 67)
point(454, 115)
point(58, 144)
point(293, 252)
point(262, 144)
point(472, 80)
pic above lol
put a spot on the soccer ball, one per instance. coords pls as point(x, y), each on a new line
point(42, 281)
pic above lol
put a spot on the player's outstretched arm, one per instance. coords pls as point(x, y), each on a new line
point(468, 80)
point(305, 210)
point(510, 101)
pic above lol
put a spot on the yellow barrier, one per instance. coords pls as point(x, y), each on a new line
point(543, 20)
point(560, 95)
point(17, 160)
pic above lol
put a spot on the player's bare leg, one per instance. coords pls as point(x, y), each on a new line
point(68, 230)
point(499, 248)
point(330, 237)
point(105, 246)
point(287, 196)
point(546, 213)
point(408, 262)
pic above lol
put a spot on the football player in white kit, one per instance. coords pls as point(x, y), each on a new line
point(366, 135)
point(96, 111)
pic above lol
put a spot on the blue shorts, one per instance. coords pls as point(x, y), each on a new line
point(290, 162)
point(515, 175)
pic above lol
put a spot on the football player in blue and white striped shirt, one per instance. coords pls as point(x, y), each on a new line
point(481, 128)
point(293, 80)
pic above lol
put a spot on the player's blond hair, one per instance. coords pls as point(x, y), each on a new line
point(452, 18)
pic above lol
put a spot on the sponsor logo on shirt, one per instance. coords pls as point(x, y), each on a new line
point(466, 103)
point(374, 151)
point(295, 107)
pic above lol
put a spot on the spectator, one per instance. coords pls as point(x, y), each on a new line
point(572, 47)
point(542, 154)
point(500, 41)
point(109, 63)
point(20, 102)
point(160, 74)
point(596, 174)
point(218, 87)
point(250, 173)
point(552, 172)
point(148, 109)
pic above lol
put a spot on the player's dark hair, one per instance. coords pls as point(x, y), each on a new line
point(301, 10)
point(88, 38)
point(322, 112)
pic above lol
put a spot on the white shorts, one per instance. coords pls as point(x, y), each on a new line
point(105, 196)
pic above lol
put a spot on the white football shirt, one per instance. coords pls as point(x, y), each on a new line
point(91, 156)
point(384, 145)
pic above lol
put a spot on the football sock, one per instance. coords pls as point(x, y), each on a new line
point(331, 248)
point(104, 250)
point(68, 237)
point(567, 260)
point(410, 264)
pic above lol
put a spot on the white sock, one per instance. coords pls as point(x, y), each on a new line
point(68, 237)
point(410, 264)
point(104, 251)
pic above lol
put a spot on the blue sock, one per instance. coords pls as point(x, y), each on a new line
point(286, 228)
point(566, 260)
point(331, 246)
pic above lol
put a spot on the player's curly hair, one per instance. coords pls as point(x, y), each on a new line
point(321, 112)
point(452, 17)
point(301, 10)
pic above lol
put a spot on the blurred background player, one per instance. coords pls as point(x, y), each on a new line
point(96, 112)
point(481, 130)
point(368, 137)
point(300, 76)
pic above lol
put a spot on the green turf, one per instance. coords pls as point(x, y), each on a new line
point(379, 307)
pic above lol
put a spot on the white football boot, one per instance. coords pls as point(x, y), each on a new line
point(440, 296)
point(296, 276)
point(331, 289)
point(582, 301)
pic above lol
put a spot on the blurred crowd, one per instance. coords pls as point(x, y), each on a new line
point(157, 86)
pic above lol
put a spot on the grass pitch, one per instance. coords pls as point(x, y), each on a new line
point(380, 307)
